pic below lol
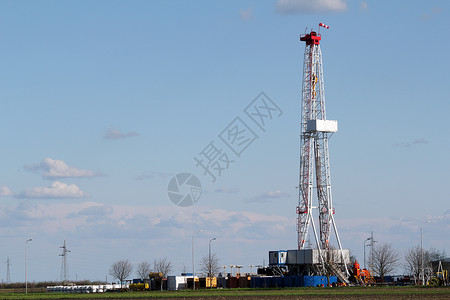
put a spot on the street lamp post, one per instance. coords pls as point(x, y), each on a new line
point(421, 251)
point(193, 260)
point(368, 239)
point(209, 258)
point(26, 279)
point(372, 244)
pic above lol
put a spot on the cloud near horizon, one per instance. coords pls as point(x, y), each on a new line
point(57, 190)
point(91, 220)
point(152, 175)
point(267, 196)
point(226, 190)
point(102, 233)
point(290, 7)
point(56, 169)
point(5, 191)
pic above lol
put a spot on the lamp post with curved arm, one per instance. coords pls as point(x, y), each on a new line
point(26, 279)
point(421, 250)
point(193, 259)
point(209, 258)
point(368, 239)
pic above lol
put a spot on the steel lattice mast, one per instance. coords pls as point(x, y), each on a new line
point(64, 265)
point(314, 156)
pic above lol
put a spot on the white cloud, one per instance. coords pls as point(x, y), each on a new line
point(412, 143)
point(226, 190)
point(5, 191)
point(56, 169)
point(432, 14)
point(57, 190)
point(115, 134)
point(152, 175)
point(99, 234)
point(246, 14)
point(92, 220)
point(288, 7)
point(265, 197)
point(363, 6)
point(96, 210)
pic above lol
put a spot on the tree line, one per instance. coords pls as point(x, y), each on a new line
point(416, 261)
point(123, 269)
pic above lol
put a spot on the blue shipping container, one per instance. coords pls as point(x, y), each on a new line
point(320, 280)
point(277, 281)
point(255, 282)
point(298, 281)
point(288, 281)
point(308, 281)
point(266, 282)
point(333, 279)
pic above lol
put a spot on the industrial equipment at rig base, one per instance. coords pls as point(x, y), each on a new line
point(314, 163)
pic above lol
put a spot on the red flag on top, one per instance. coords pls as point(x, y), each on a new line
point(323, 25)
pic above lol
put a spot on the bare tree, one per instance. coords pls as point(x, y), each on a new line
point(435, 254)
point(352, 259)
point(209, 266)
point(413, 261)
point(385, 260)
point(331, 258)
point(334, 261)
point(143, 270)
point(162, 266)
point(121, 270)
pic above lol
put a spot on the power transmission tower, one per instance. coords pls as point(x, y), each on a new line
point(64, 265)
point(8, 274)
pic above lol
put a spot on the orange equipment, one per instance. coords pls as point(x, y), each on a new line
point(356, 268)
point(362, 276)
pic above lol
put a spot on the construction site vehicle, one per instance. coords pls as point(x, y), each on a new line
point(139, 287)
point(363, 276)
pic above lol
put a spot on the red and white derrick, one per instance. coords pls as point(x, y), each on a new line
point(314, 154)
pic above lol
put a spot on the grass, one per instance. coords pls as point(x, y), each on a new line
point(293, 293)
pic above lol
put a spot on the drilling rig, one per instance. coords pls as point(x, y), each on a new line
point(315, 179)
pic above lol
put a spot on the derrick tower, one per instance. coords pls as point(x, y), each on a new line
point(315, 178)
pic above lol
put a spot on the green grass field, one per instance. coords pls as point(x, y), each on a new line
point(287, 293)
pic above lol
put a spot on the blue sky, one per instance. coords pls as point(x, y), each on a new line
point(103, 102)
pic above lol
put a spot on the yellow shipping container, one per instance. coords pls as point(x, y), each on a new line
point(211, 282)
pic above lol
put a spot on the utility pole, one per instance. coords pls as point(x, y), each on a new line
point(8, 274)
point(64, 266)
